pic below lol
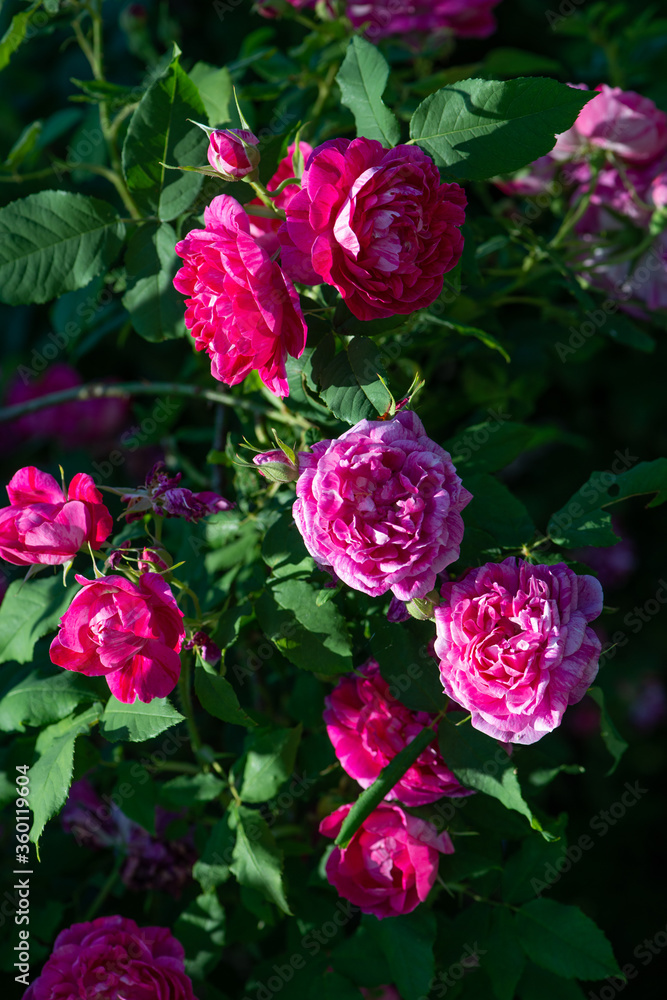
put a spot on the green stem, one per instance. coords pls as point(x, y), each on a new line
point(184, 682)
point(325, 89)
point(97, 390)
point(106, 888)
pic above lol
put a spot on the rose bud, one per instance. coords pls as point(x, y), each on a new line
point(232, 153)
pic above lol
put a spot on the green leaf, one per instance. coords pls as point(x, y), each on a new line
point(51, 774)
point(155, 307)
point(407, 941)
point(538, 984)
point(40, 696)
point(383, 784)
point(362, 79)
point(215, 90)
point(504, 960)
point(496, 511)
point(135, 794)
point(54, 242)
point(361, 958)
point(28, 611)
point(624, 331)
point(218, 698)
point(24, 145)
point(613, 740)
point(585, 520)
point(200, 928)
point(564, 940)
point(137, 722)
point(532, 869)
point(326, 620)
point(283, 549)
point(257, 860)
point(182, 792)
point(401, 649)
point(478, 762)
point(269, 763)
point(490, 446)
point(351, 385)
point(213, 867)
point(332, 986)
point(159, 133)
point(484, 338)
point(480, 128)
point(12, 38)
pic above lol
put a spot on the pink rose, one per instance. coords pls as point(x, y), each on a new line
point(232, 153)
point(241, 308)
point(375, 223)
point(391, 863)
point(265, 230)
point(464, 18)
point(129, 633)
point(381, 507)
point(368, 728)
point(87, 423)
point(276, 466)
point(514, 645)
point(44, 525)
point(113, 957)
point(624, 123)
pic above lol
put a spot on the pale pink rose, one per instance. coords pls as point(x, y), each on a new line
point(614, 195)
point(624, 123)
point(368, 728)
point(232, 153)
point(391, 863)
point(241, 308)
point(381, 506)
point(112, 957)
point(375, 223)
point(515, 647)
point(265, 230)
point(129, 633)
point(47, 526)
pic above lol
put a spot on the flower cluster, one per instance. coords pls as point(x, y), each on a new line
point(614, 161)
point(114, 957)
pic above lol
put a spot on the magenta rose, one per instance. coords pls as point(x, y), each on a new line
point(381, 506)
point(47, 526)
point(368, 728)
point(232, 153)
point(624, 123)
point(265, 230)
point(463, 18)
point(391, 863)
point(375, 223)
point(128, 633)
point(241, 307)
point(111, 957)
point(515, 647)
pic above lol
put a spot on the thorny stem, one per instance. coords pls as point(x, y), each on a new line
point(98, 390)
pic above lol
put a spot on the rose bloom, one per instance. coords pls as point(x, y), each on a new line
point(241, 307)
point(368, 728)
point(391, 863)
point(463, 18)
point(111, 957)
point(129, 633)
point(265, 230)
point(381, 506)
point(514, 645)
point(375, 223)
point(624, 123)
point(47, 526)
point(232, 153)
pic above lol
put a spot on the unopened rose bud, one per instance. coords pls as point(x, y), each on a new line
point(233, 154)
point(209, 651)
point(276, 467)
point(421, 608)
point(150, 562)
